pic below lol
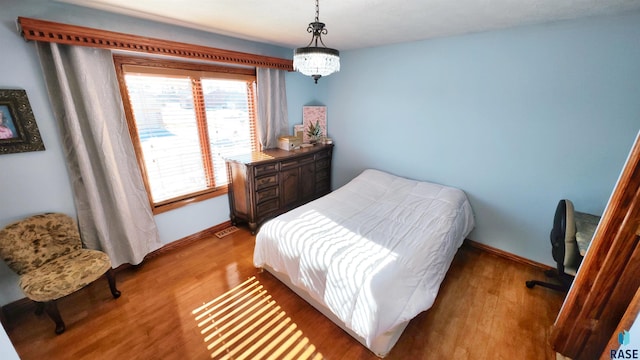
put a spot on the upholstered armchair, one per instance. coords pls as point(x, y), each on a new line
point(46, 252)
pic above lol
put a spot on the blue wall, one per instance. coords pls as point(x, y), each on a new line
point(517, 118)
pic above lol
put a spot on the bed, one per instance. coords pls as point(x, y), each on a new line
point(371, 255)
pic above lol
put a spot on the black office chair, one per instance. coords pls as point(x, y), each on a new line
point(568, 226)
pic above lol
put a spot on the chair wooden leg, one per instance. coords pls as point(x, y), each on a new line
point(39, 308)
point(112, 284)
point(51, 307)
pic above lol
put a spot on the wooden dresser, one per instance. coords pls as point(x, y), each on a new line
point(265, 184)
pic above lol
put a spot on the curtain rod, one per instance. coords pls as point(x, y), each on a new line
point(49, 31)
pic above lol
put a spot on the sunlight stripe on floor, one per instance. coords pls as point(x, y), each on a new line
point(247, 323)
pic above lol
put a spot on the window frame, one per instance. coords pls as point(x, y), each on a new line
point(157, 66)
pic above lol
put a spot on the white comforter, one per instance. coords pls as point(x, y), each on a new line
point(374, 251)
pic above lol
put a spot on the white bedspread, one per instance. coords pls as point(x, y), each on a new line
point(374, 251)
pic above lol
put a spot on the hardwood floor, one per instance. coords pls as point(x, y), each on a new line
point(483, 311)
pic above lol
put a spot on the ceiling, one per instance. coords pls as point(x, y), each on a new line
point(354, 24)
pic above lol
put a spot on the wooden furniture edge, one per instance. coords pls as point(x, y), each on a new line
point(24, 304)
point(625, 324)
point(607, 281)
point(49, 31)
point(506, 255)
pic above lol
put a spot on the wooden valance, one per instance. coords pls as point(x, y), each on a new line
point(48, 31)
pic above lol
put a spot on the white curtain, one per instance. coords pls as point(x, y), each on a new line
point(112, 204)
point(273, 120)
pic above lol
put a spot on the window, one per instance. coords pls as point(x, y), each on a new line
point(184, 118)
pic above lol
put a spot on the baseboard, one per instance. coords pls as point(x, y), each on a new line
point(206, 233)
point(505, 255)
point(24, 304)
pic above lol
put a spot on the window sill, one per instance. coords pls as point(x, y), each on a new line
point(180, 202)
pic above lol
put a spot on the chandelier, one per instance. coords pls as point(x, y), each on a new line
point(313, 60)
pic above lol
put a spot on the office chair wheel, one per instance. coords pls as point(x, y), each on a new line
point(530, 284)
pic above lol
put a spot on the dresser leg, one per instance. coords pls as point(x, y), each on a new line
point(253, 227)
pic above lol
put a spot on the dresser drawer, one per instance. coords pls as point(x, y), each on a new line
point(266, 194)
point(267, 207)
point(322, 187)
point(322, 155)
point(265, 169)
point(322, 164)
point(287, 164)
point(322, 175)
point(266, 181)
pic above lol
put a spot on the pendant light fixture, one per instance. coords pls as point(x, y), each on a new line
point(314, 60)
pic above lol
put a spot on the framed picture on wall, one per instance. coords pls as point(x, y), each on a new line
point(18, 128)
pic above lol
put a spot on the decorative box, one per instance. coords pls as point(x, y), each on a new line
point(289, 142)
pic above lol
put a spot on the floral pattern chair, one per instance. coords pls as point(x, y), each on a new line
point(46, 252)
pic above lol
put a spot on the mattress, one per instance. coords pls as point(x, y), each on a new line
point(373, 253)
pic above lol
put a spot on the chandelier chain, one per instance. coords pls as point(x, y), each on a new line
point(317, 11)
